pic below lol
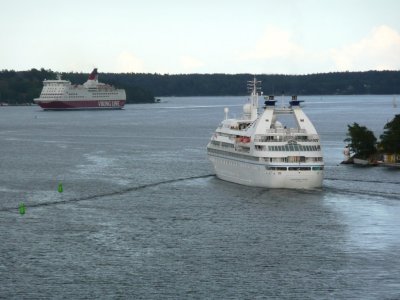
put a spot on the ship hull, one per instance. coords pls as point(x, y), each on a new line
point(257, 175)
point(81, 104)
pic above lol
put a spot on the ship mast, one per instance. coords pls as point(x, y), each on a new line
point(254, 90)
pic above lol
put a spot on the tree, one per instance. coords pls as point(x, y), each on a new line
point(362, 141)
point(390, 139)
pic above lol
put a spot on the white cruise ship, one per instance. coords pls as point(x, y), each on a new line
point(61, 94)
point(258, 150)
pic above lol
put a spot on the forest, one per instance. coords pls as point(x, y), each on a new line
point(21, 87)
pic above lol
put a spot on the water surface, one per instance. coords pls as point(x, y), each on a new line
point(142, 215)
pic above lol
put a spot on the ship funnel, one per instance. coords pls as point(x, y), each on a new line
point(93, 75)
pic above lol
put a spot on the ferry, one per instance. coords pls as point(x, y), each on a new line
point(259, 150)
point(62, 95)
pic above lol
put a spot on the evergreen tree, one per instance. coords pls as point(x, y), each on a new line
point(362, 141)
point(390, 139)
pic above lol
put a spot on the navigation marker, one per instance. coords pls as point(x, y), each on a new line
point(22, 208)
point(60, 188)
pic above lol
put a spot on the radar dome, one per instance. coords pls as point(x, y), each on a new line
point(247, 108)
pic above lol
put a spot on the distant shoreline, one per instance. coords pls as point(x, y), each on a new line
point(24, 86)
point(17, 104)
point(4, 104)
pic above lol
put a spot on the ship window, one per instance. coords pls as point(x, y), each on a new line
point(319, 168)
point(299, 168)
point(227, 145)
point(276, 168)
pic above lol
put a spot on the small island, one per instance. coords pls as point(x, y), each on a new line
point(364, 149)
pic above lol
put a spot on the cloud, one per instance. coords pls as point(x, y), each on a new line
point(380, 50)
point(190, 63)
point(274, 43)
point(127, 62)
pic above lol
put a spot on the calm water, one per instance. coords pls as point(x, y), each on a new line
point(143, 217)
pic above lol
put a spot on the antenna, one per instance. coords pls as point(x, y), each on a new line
point(255, 90)
point(226, 111)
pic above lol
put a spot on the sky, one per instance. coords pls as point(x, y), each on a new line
point(200, 36)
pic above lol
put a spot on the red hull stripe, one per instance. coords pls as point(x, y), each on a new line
point(91, 104)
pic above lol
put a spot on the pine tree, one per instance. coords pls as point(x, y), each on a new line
point(390, 139)
point(362, 141)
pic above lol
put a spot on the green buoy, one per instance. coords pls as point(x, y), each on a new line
point(60, 188)
point(22, 208)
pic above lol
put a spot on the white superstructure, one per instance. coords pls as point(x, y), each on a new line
point(257, 150)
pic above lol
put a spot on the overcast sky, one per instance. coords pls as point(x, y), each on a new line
point(204, 36)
